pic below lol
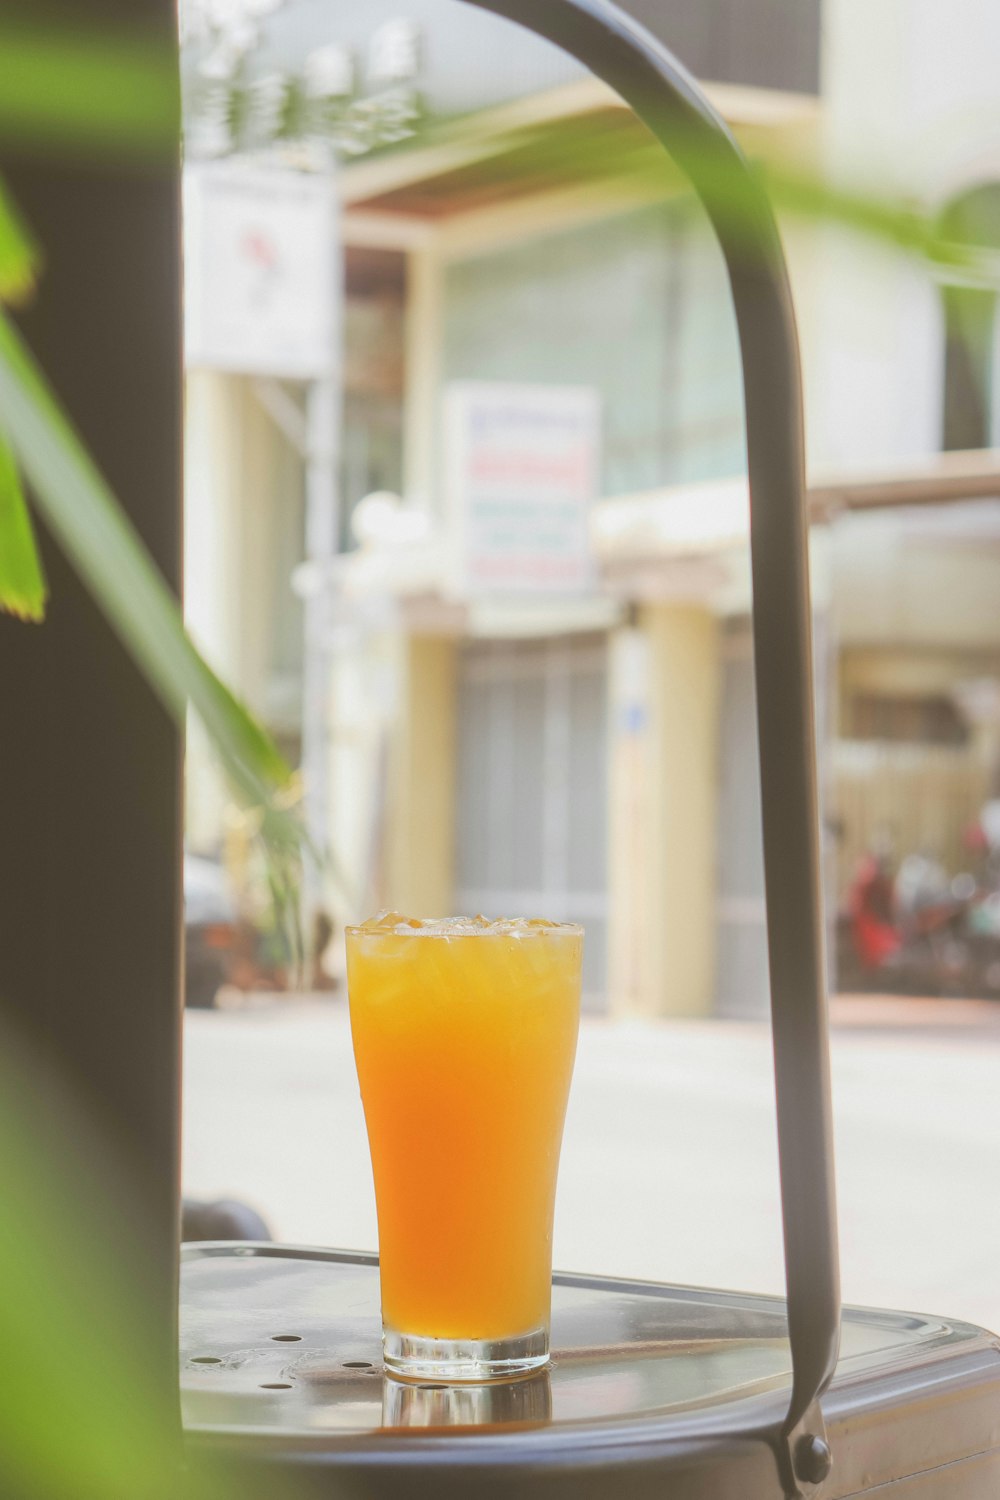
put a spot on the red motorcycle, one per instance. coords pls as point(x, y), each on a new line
point(918, 932)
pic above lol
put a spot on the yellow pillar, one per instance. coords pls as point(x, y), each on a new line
point(665, 681)
point(420, 811)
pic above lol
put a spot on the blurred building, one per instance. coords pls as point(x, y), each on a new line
point(561, 720)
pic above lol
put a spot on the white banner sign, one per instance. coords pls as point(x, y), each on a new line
point(523, 467)
point(259, 271)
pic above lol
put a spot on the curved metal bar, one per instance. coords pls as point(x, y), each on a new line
point(669, 101)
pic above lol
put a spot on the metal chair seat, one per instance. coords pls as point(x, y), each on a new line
point(656, 1389)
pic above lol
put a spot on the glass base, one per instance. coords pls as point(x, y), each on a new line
point(412, 1356)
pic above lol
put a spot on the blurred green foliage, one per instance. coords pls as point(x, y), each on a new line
point(85, 1411)
point(22, 583)
point(97, 536)
point(19, 254)
point(77, 91)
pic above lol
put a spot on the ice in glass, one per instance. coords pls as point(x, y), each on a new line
point(464, 1034)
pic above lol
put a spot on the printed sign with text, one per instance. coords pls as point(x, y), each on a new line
point(523, 469)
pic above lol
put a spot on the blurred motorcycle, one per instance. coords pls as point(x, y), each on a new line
point(921, 932)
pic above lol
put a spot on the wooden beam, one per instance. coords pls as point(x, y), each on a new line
point(493, 132)
point(945, 478)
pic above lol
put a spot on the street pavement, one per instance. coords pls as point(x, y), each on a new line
point(669, 1166)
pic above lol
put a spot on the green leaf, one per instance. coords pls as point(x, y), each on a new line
point(18, 252)
point(806, 195)
point(79, 1319)
point(110, 557)
point(22, 583)
point(87, 91)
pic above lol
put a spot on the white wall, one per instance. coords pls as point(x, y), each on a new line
point(924, 578)
point(243, 526)
point(911, 111)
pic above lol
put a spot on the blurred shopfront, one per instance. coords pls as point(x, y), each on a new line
point(573, 732)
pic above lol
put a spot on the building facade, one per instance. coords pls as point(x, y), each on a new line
point(592, 754)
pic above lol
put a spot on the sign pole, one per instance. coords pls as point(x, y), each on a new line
point(324, 399)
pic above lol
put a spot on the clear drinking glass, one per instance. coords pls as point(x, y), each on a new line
point(464, 1035)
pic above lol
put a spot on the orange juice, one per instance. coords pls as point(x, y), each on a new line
point(464, 1036)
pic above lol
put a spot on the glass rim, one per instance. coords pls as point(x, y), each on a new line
point(493, 930)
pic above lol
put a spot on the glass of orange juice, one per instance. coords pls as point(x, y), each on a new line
point(464, 1035)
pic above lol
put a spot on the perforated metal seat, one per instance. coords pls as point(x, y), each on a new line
point(653, 1390)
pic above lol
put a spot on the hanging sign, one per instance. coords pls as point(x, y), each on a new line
point(259, 270)
point(522, 466)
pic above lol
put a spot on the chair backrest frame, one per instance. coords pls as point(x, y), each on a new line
point(644, 73)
